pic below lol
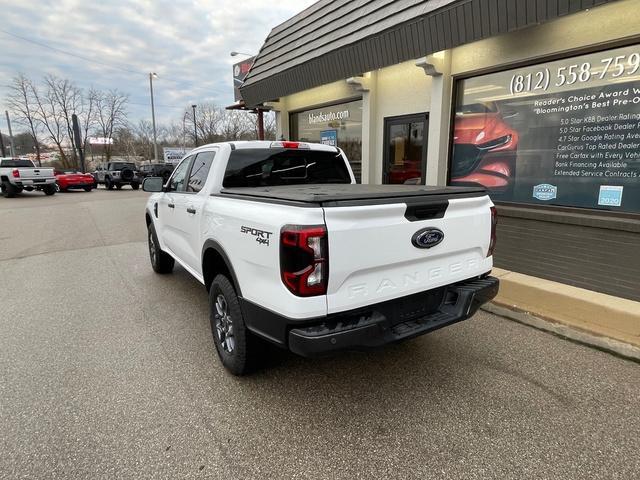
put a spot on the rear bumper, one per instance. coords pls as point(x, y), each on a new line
point(76, 185)
point(380, 324)
point(34, 182)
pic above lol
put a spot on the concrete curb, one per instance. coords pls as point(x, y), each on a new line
point(607, 344)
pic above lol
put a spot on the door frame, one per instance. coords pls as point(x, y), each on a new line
point(399, 120)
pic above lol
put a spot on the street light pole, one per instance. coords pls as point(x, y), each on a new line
point(13, 151)
point(195, 127)
point(153, 117)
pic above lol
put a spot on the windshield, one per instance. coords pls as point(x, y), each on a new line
point(16, 163)
point(255, 167)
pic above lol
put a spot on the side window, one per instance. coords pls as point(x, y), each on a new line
point(200, 171)
point(177, 182)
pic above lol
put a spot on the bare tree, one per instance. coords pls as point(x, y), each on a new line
point(111, 113)
point(69, 100)
point(144, 138)
point(87, 116)
point(51, 119)
point(216, 124)
point(23, 105)
point(237, 126)
point(269, 126)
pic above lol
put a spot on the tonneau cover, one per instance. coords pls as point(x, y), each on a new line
point(339, 193)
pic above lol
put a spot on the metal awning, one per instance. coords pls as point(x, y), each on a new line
point(241, 105)
point(337, 39)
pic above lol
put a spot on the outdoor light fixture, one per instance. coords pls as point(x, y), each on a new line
point(153, 75)
point(195, 125)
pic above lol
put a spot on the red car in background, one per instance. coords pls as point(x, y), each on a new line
point(68, 179)
point(484, 148)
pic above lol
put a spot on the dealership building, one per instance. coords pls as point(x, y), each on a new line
point(537, 100)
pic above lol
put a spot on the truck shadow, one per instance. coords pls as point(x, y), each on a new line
point(413, 375)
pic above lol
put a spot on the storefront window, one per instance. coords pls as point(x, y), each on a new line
point(565, 132)
point(338, 125)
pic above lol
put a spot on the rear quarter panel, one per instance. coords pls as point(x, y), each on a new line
point(238, 225)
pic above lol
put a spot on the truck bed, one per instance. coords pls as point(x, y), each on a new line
point(327, 195)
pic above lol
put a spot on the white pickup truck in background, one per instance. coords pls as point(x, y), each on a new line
point(292, 251)
point(17, 175)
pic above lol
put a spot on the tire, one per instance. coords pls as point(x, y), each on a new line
point(108, 184)
point(88, 189)
point(161, 261)
point(135, 185)
point(126, 174)
point(49, 189)
point(8, 190)
point(237, 347)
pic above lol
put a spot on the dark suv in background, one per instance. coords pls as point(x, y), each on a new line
point(117, 174)
point(163, 170)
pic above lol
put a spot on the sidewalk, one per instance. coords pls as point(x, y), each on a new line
point(600, 320)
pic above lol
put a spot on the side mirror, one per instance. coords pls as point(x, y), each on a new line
point(153, 184)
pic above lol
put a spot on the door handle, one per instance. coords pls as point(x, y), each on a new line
point(191, 210)
point(171, 205)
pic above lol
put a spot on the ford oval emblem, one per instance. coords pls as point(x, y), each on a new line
point(427, 237)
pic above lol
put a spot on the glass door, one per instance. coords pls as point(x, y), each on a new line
point(405, 149)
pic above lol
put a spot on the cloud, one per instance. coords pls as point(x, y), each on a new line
point(186, 43)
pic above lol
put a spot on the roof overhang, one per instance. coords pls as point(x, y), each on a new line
point(241, 105)
point(334, 40)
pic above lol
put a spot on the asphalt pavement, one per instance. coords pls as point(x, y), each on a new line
point(108, 370)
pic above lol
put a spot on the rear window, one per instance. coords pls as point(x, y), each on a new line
point(16, 163)
point(122, 166)
point(259, 167)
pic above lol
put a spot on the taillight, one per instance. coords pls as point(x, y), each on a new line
point(304, 259)
point(288, 144)
point(15, 173)
point(494, 222)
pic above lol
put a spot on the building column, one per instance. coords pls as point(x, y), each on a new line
point(282, 119)
point(438, 66)
point(366, 86)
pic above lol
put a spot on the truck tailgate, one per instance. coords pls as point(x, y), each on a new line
point(372, 257)
point(35, 173)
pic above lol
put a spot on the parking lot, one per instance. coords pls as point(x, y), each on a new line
point(108, 370)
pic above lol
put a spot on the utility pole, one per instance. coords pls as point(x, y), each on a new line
point(13, 150)
point(195, 127)
point(260, 113)
point(184, 131)
point(78, 141)
point(153, 117)
point(2, 150)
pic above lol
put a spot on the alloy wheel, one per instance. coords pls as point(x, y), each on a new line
point(224, 324)
point(152, 249)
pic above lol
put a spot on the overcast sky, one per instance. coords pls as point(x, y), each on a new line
point(186, 42)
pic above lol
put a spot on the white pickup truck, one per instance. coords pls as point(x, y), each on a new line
point(292, 251)
point(17, 175)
